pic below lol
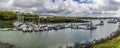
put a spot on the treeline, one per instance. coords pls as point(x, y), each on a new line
point(60, 20)
point(10, 16)
point(30, 17)
point(7, 15)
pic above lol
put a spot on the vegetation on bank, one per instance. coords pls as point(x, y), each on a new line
point(6, 24)
point(113, 43)
point(60, 20)
point(5, 15)
point(8, 17)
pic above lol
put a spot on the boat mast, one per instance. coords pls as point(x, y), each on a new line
point(22, 18)
point(91, 23)
point(74, 20)
point(38, 20)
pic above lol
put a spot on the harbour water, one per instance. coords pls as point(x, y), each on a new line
point(56, 38)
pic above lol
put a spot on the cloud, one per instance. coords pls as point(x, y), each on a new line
point(28, 3)
point(61, 7)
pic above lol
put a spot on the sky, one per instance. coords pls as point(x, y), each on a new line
point(62, 7)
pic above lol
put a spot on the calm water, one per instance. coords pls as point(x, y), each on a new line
point(53, 39)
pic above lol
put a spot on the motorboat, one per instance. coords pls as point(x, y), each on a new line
point(112, 21)
point(101, 23)
point(91, 26)
point(79, 27)
point(4, 29)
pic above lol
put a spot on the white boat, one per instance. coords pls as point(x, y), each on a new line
point(79, 27)
point(4, 29)
point(14, 29)
point(67, 25)
point(17, 24)
point(24, 29)
point(101, 23)
point(91, 26)
point(112, 21)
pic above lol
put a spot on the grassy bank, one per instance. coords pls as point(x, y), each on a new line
point(114, 43)
point(111, 43)
point(6, 24)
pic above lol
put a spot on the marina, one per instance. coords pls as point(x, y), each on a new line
point(59, 23)
point(60, 36)
point(32, 27)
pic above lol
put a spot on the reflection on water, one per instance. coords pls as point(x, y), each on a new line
point(55, 38)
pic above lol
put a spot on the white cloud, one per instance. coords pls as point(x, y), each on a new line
point(117, 1)
point(60, 7)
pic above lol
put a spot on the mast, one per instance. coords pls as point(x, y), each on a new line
point(74, 20)
point(38, 20)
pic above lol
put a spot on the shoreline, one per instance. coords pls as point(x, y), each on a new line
point(112, 36)
point(97, 42)
point(6, 45)
point(108, 39)
point(9, 24)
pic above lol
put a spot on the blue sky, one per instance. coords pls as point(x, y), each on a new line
point(55, 0)
point(83, 1)
point(78, 1)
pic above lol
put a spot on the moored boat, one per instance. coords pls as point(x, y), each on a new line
point(112, 21)
point(91, 26)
